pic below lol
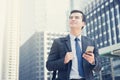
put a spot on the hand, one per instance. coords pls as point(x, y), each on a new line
point(68, 57)
point(89, 56)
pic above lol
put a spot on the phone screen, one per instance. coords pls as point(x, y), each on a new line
point(90, 49)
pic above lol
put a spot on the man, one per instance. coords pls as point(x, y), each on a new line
point(68, 54)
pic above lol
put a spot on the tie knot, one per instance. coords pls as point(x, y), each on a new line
point(77, 39)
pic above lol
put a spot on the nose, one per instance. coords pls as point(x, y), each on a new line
point(73, 18)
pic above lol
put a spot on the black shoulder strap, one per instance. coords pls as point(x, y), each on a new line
point(54, 75)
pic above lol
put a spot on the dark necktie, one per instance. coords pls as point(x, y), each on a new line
point(79, 57)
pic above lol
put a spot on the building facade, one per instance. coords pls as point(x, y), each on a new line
point(103, 22)
point(10, 55)
point(103, 25)
point(33, 56)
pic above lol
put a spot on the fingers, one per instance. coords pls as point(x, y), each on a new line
point(89, 54)
point(68, 57)
point(89, 57)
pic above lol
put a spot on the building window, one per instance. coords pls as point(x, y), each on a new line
point(95, 20)
point(103, 15)
point(94, 12)
point(114, 39)
point(92, 30)
point(88, 24)
point(42, 68)
point(42, 73)
point(95, 28)
point(104, 24)
point(102, 6)
point(87, 17)
point(119, 36)
point(42, 79)
point(96, 37)
point(41, 58)
point(42, 63)
point(105, 42)
point(91, 14)
point(112, 10)
point(98, 9)
point(106, 4)
point(97, 45)
point(101, 44)
point(111, 0)
point(100, 35)
point(104, 33)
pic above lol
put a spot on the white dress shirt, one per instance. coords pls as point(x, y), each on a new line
point(74, 74)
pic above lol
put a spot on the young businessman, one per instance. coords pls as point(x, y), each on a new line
point(68, 54)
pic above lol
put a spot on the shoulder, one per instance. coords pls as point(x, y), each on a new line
point(62, 38)
point(87, 38)
point(59, 40)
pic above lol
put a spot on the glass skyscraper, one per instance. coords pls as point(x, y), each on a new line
point(103, 22)
point(103, 25)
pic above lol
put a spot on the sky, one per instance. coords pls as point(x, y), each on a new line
point(55, 17)
point(56, 12)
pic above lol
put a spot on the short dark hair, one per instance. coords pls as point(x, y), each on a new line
point(78, 11)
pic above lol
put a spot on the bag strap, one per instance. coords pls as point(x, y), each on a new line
point(54, 75)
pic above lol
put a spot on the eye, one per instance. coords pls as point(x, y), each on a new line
point(71, 17)
point(77, 17)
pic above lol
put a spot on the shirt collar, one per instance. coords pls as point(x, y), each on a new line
point(72, 37)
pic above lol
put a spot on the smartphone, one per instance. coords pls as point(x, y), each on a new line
point(89, 48)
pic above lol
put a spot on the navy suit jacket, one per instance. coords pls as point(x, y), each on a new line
point(58, 51)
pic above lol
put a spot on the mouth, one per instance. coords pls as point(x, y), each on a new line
point(72, 23)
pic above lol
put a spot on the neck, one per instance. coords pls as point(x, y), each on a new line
point(76, 32)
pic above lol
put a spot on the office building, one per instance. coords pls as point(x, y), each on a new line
point(103, 22)
point(103, 25)
point(10, 56)
point(33, 56)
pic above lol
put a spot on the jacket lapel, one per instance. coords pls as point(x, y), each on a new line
point(68, 44)
point(84, 44)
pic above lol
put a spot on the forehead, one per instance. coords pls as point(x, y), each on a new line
point(76, 14)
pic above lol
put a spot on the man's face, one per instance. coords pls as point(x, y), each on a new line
point(75, 20)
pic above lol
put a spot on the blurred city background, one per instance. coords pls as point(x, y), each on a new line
point(28, 28)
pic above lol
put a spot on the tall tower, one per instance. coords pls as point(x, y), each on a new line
point(10, 62)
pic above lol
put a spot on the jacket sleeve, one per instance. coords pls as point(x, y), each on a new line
point(54, 61)
point(97, 66)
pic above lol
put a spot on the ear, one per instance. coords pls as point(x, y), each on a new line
point(83, 24)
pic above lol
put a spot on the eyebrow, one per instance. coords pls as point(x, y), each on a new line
point(75, 16)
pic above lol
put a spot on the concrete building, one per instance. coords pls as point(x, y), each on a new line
point(10, 56)
point(33, 56)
